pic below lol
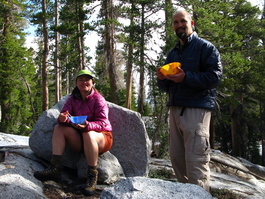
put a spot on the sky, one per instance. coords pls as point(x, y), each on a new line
point(257, 2)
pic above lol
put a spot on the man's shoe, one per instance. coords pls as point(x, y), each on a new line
point(50, 173)
point(91, 182)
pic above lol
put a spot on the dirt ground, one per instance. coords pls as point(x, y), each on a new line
point(59, 191)
point(69, 187)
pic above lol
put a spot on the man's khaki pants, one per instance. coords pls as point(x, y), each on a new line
point(189, 145)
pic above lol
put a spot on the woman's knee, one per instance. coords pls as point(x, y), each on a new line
point(59, 128)
point(88, 136)
point(93, 136)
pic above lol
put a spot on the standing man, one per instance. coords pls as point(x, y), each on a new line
point(192, 94)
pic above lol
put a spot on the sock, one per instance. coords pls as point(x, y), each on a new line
point(91, 167)
point(56, 160)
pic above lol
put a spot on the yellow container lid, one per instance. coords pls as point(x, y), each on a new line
point(170, 69)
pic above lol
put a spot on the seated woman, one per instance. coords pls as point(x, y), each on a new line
point(93, 137)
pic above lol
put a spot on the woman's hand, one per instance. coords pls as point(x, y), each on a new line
point(80, 126)
point(63, 116)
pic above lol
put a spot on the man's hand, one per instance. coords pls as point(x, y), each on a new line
point(159, 74)
point(179, 77)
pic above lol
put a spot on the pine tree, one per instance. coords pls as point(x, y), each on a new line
point(16, 71)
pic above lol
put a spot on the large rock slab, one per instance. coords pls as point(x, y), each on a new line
point(229, 175)
point(147, 188)
point(17, 181)
point(131, 144)
point(109, 168)
point(16, 172)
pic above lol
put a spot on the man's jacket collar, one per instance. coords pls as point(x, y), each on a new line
point(190, 38)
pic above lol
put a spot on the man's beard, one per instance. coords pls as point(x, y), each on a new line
point(182, 35)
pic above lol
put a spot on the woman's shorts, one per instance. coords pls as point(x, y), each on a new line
point(108, 141)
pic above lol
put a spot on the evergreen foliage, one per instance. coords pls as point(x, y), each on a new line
point(16, 72)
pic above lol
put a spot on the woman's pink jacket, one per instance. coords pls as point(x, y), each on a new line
point(94, 106)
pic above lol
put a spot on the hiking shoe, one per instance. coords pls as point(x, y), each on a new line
point(50, 173)
point(91, 182)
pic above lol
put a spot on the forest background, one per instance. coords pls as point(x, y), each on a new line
point(133, 40)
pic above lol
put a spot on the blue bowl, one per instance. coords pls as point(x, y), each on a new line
point(78, 119)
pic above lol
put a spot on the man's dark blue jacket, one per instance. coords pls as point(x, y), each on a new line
point(201, 63)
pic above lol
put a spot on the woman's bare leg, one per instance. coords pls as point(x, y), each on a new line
point(93, 142)
point(63, 135)
point(93, 145)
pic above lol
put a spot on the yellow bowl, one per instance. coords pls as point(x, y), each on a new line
point(170, 69)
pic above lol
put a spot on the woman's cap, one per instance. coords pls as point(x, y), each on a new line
point(84, 72)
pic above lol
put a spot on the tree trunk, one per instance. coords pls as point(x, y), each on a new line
point(141, 95)
point(109, 48)
point(58, 87)
point(128, 103)
point(82, 45)
point(263, 149)
point(79, 34)
point(129, 78)
point(234, 131)
point(263, 132)
point(67, 75)
point(168, 27)
point(237, 127)
point(45, 92)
